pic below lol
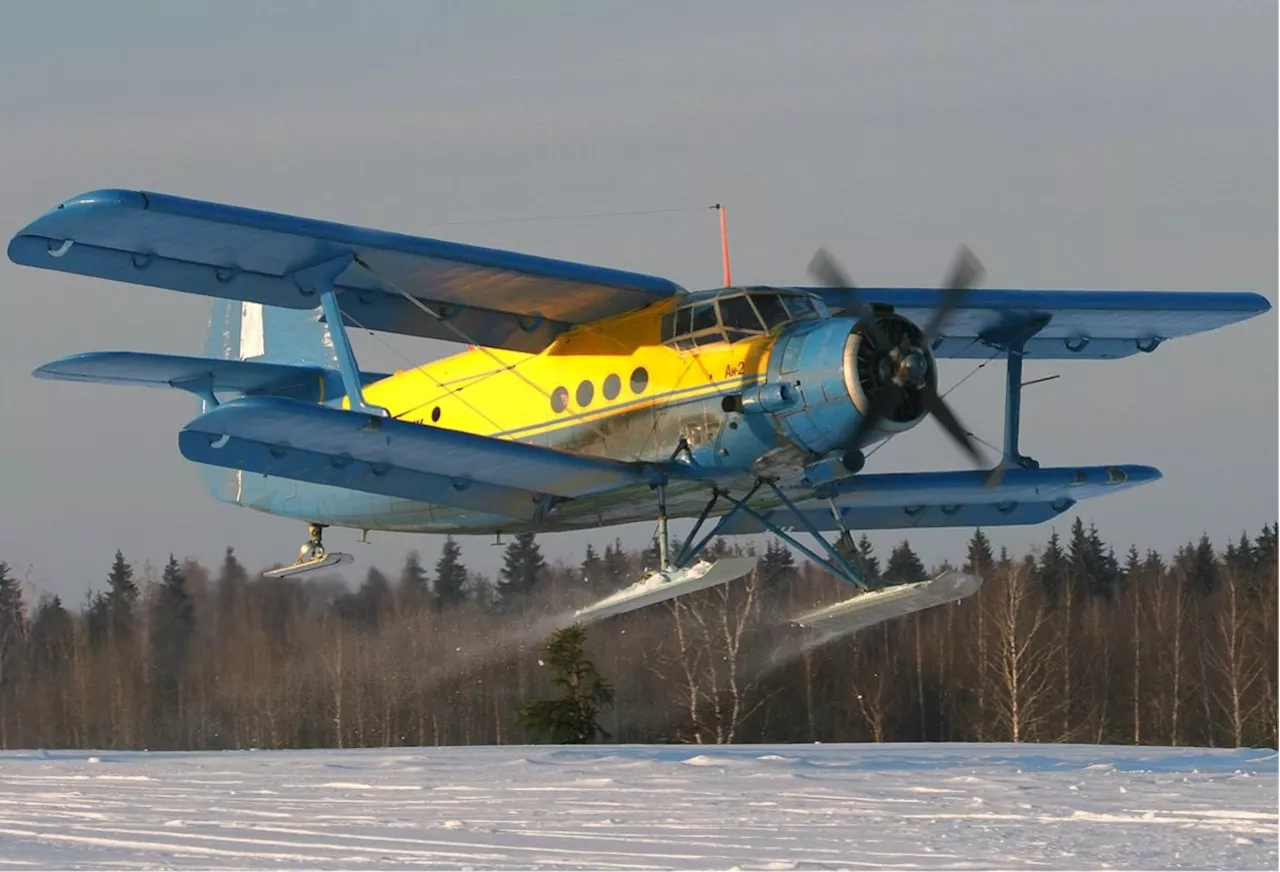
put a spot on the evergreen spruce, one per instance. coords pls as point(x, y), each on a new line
point(522, 565)
point(51, 637)
point(867, 562)
point(592, 569)
point(413, 587)
point(980, 561)
point(1203, 571)
point(573, 717)
point(233, 579)
point(122, 594)
point(451, 575)
point(1053, 568)
point(12, 625)
point(617, 569)
point(904, 565)
point(172, 624)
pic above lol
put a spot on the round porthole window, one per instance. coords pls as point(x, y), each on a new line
point(435, 414)
point(559, 400)
point(639, 380)
point(586, 391)
point(612, 386)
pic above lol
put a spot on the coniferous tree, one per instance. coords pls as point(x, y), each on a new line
point(1238, 558)
point(1264, 549)
point(122, 594)
point(1005, 563)
point(522, 565)
point(617, 569)
point(50, 637)
point(1053, 568)
point(980, 560)
point(651, 558)
point(777, 564)
point(367, 605)
point(867, 562)
point(1202, 574)
point(232, 581)
point(573, 717)
point(13, 630)
point(413, 587)
point(451, 575)
point(172, 625)
point(592, 568)
point(1132, 566)
point(904, 565)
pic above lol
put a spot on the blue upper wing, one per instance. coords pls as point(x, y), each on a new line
point(496, 298)
point(1062, 324)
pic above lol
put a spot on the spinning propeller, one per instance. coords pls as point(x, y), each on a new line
point(903, 368)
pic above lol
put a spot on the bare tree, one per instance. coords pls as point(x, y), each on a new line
point(1020, 678)
point(1236, 667)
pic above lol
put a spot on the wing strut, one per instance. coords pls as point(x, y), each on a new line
point(320, 278)
point(1012, 341)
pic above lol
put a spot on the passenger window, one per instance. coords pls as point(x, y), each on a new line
point(683, 320)
point(612, 386)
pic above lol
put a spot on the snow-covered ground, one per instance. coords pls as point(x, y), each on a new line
point(644, 807)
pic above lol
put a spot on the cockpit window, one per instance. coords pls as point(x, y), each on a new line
point(733, 316)
point(771, 309)
point(739, 317)
point(800, 306)
point(704, 317)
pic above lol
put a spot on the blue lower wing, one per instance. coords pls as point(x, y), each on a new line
point(296, 440)
point(200, 374)
point(896, 501)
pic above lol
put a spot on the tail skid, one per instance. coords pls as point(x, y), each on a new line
point(869, 609)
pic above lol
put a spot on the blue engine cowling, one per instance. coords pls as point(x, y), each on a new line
point(819, 377)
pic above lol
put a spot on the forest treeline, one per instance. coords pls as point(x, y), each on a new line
point(1071, 643)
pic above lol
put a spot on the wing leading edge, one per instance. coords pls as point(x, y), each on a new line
point(500, 299)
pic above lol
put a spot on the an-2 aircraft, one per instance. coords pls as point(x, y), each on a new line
point(590, 397)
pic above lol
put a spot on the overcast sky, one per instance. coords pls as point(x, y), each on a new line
point(1071, 145)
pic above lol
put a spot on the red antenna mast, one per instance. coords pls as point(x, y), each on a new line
point(724, 245)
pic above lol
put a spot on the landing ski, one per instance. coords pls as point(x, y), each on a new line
point(662, 586)
point(328, 561)
point(868, 609)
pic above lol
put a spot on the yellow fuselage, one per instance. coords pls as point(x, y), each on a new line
point(574, 393)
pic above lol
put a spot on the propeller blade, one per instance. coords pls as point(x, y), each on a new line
point(940, 410)
point(825, 270)
point(965, 271)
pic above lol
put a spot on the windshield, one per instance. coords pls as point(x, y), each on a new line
point(733, 317)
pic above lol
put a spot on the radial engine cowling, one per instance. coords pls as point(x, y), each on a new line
point(821, 376)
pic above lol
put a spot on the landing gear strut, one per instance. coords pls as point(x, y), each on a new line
point(312, 556)
point(313, 548)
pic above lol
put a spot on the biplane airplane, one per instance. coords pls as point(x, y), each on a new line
point(590, 397)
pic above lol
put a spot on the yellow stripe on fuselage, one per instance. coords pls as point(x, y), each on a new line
point(493, 392)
